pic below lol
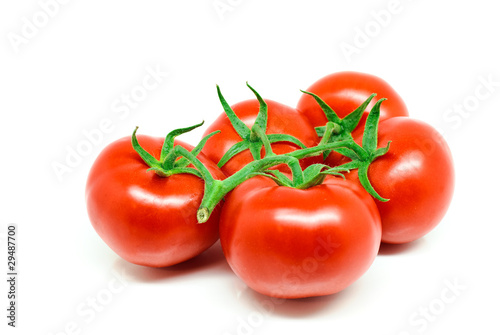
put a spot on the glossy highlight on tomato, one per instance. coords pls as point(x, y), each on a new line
point(293, 243)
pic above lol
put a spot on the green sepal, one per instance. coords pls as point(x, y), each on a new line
point(351, 121)
point(169, 164)
point(279, 178)
point(320, 131)
point(146, 156)
point(312, 176)
point(382, 151)
point(347, 124)
point(330, 130)
point(370, 151)
point(343, 127)
point(168, 144)
point(361, 156)
point(261, 120)
point(329, 112)
point(183, 161)
point(263, 140)
point(233, 151)
point(255, 138)
point(333, 173)
point(297, 174)
point(273, 138)
point(365, 181)
point(314, 151)
point(347, 152)
point(371, 128)
point(180, 151)
point(163, 173)
point(238, 125)
point(199, 147)
point(255, 148)
point(347, 167)
point(313, 170)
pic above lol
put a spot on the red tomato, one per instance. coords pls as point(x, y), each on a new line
point(417, 175)
point(146, 219)
point(281, 120)
point(346, 91)
point(293, 243)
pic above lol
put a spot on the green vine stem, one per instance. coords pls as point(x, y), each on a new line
point(336, 135)
point(215, 190)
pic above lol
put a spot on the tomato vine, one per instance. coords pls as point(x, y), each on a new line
point(336, 136)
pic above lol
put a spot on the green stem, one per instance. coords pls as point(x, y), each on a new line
point(337, 136)
point(169, 160)
point(207, 176)
point(330, 129)
point(215, 190)
point(239, 126)
point(258, 134)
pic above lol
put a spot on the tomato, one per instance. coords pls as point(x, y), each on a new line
point(417, 175)
point(146, 219)
point(345, 91)
point(281, 120)
point(293, 243)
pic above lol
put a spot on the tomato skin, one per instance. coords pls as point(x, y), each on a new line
point(345, 91)
point(417, 175)
point(146, 219)
point(291, 243)
point(282, 119)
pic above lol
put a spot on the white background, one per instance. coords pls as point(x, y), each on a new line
point(68, 72)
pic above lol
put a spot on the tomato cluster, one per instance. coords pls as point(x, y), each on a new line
point(301, 198)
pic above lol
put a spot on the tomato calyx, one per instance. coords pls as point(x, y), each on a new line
point(169, 162)
point(310, 177)
point(345, 126)
point(361, 155)
point(252, 138)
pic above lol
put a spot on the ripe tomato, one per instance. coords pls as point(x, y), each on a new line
point(146, 219)
point(345, 91)
point(417, 175)
point(293, 243)
point(281, 120)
